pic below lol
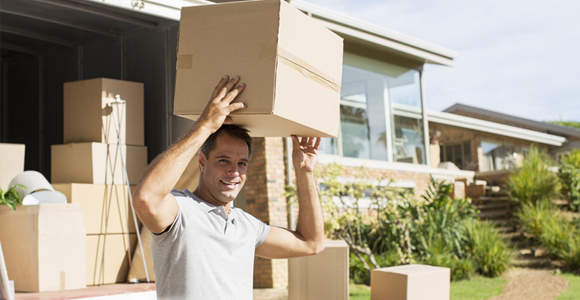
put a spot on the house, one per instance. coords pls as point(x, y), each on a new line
point(555, 139)
point(385, 125)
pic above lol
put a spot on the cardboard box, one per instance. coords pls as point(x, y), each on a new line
point(291, 65)
point(11, 163)
point(44, 246)
point(96, 163)
point(138, 271)
point(322, 276)
point(106, 208)
point(89, 115)
point(410, 282)
point(108, 257)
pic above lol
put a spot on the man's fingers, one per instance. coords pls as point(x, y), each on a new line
point(295, 141)
point(233, 93)
point(317, 144)
point(232, 82)
point(219, 87)
point(236, 105)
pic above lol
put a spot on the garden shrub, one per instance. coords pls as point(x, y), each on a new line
point(552, 230)
point(569, 175)
point(534, 181)
point(398, 228)
point(490, 252)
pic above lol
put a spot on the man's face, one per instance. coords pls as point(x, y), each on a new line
point(223, 173)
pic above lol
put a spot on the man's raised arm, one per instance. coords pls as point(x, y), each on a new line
point(308, 238)
point(152, 199)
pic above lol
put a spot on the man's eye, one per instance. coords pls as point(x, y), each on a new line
point(243, 164)
point(223, 160)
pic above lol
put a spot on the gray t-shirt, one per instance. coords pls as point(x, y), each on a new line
point(205, 254)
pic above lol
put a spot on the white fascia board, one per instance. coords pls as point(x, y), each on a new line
point(378, 35)
point(392, 166)
point(168, 9)
point(495, 128)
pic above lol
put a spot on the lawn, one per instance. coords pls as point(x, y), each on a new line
point(360, 292)
point(478, 288)
point(573, 292)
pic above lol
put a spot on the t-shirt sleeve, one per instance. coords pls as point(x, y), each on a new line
point(175, 229)
point(261, 229)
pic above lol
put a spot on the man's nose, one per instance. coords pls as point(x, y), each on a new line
point(234, 170)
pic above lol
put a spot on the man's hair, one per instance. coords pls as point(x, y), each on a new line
point(234, 131)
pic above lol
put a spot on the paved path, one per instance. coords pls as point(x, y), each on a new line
point(531, 284)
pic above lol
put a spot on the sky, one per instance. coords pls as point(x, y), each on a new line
point(516, 57)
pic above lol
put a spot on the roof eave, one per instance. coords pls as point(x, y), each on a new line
point(356, 29)
point(495, 128)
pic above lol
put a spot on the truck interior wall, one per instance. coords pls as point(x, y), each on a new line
point(22, 125)
point(32, 89)
point(151, 59)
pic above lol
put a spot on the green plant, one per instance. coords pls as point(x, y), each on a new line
point(552, 230)
point(490, 252)
point(534, 181)
point(11, 196)
point(569, 175)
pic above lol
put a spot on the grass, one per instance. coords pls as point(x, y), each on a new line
point(477, 288)
point(573, 292)
point(360, 292)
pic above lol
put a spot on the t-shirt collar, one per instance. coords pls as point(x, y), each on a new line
point(208, 207)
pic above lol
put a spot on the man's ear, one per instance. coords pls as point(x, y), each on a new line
point(202, 160)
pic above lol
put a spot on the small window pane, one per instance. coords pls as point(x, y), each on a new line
point(328, 146)
point(408, 142)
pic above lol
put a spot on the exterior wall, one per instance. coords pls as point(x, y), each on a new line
point(265, 200)
point(452, 134)
point(421, 180)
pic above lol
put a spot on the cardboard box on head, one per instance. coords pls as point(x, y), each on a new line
point(291, 65)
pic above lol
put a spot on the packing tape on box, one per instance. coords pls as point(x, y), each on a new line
point(274, 52)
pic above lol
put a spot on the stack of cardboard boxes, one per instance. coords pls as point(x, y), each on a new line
point(100, 135)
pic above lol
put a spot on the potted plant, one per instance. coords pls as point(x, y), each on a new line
point(11, 196)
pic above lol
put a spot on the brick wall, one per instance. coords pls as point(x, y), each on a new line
point(265, 200)
point(421, 180)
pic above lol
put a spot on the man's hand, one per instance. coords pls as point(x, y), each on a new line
point(305, 153)
point(219, 107)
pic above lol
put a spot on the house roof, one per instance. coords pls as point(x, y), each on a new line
point(544, 127)
point(352, 30)
point(495, 128)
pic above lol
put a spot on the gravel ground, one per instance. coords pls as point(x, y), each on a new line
point(532, 284)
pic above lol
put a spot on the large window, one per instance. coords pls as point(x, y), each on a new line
point(497, 156)
point(381, 116)
point(458, 153)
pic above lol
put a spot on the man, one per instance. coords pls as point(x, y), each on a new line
point(202, 247)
